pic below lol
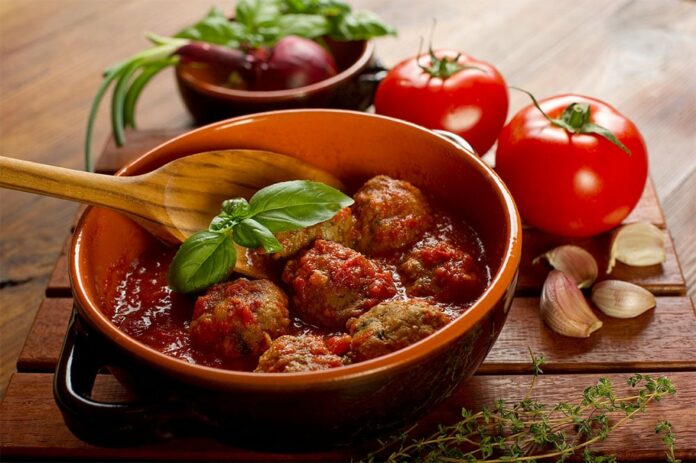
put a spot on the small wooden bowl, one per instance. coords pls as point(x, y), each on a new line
point(208, 100)
point(320, 407)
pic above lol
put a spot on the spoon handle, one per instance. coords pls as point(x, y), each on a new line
point(102, 190)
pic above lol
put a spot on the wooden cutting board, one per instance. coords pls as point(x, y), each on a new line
point(661, 342)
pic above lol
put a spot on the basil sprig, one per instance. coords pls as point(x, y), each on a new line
point(208, 257)
point(263, 22)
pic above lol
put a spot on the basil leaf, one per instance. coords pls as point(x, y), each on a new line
point(322, 7)
point(308, 26)
point(255, 14)
point(360, 25)
point(237, 207)
point(296, 204)
point(205, 258)
point(215, 28)
point(251, 234)
point(233, 211)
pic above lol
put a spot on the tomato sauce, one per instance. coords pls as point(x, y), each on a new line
point(146, 309)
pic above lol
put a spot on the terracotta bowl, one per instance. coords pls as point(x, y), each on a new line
point(353, 87)
point(346, 403)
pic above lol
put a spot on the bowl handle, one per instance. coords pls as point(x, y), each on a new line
point(457, 139)
point(359, 93)
point(83, 356)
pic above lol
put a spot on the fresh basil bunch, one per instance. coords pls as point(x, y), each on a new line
point(263, 22)
point(208, 257)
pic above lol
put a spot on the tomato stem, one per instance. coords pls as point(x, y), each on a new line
point(441, 67)
point(576, 119)
point(576, 115)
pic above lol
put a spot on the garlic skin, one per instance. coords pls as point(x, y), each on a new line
point(638, 244)
point(575, 262)
point(621, 299)
point(564, 308)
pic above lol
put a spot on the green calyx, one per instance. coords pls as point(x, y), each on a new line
point(442, 67)
point(576, 118)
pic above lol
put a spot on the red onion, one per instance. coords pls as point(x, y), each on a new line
point(293, 62)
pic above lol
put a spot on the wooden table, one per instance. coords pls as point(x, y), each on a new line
point(636, 55)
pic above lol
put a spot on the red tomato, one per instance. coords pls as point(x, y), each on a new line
point(572, 184)
point(445, 93)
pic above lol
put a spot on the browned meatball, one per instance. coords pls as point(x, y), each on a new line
point(240, 318)
point(392, 214)
point(393, 325)
point(444, 271)
point(331, 283)
point(289, 354)
point(341, 229)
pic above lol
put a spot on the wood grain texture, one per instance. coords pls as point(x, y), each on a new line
point(42, 347)
point(636, 55)
point(662, 279)
point(34, 427)
point(660, 339)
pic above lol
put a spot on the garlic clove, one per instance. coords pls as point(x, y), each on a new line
point(638, 244)
point(564, 308)
point(621, 299)
point(575, 262)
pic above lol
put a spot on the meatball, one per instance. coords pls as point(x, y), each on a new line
point(289, 354)
point(331, 283)
point(240, 318)
point(393, 325)
point(341, 229)
point(443, 270)
point(391, 214)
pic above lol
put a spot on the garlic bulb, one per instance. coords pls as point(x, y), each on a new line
point(575, 262)
point(564, 308)
point(621, 299)
point(638, 244)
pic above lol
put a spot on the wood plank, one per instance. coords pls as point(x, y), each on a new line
point(32, 426)
point(682, 225)
point(59, 281)
point(42, 346)
point(661, 339)
point(663, 279)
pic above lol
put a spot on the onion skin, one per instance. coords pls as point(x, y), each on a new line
point(293, 62)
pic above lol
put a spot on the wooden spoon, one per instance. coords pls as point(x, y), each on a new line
point(176, 200)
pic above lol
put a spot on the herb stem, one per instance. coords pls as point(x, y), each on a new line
point(528, 431)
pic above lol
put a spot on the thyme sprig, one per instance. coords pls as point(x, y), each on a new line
point(530, 431)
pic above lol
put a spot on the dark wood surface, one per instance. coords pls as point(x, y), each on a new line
point(636, 55)
point(29, 411)
point(659, 340)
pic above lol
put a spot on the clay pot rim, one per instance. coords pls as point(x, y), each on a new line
point(502, 287)
point(230, 94)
